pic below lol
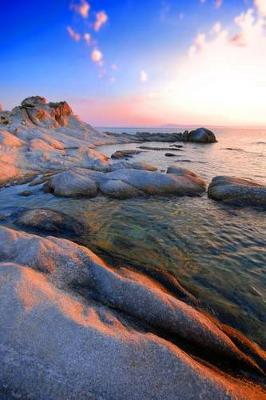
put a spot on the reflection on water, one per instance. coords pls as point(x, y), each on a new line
point(216, 251)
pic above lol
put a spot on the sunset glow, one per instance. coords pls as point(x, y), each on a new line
point(179, 62)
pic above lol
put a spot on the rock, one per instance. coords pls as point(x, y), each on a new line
point(170, 155)
point(119, 189)
point(237, 191)
point(124, 153)
point(68, 319)
point(26, 193)
point(158, 148)
point(72, 183)
point(34, 101)
point(123, 183)
point(177, 170)
point(50, 221)
point(132, 165)
point(200, 135)
point(151, 183)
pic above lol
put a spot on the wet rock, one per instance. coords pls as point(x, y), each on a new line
point(59, 340)
point(237, 191)
point(124, 154)
point(50, 221)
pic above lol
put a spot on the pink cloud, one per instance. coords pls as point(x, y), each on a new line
point(83, 8)
point(73, 34)
point(218, 3)
point(97, 56)
point(101, 19)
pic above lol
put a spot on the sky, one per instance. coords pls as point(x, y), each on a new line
point(138, 63)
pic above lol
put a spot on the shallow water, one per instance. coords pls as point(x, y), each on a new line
point(216, 251)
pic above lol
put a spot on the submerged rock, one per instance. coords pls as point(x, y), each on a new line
point(237, 191)
point(50, 221)
point(68, 319)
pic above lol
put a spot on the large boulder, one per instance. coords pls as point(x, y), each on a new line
point(68, 319)
point(200, 135)
point(237, 191)
point(124, 183)
point(73, 183)
point(118, 183)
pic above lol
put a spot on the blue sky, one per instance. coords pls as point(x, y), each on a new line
point(139, 43)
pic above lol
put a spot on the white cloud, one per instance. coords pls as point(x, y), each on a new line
point(97, 56)
point(83, 8)
point(223, 79)
point(143, 76)
point(87, 37)
point(73, 34)
point(101, 19)
point(261, 7)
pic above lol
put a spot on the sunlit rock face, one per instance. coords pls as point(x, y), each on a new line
point(75, 328)
point(237, 191)
point(40, 136)
point(124, 183)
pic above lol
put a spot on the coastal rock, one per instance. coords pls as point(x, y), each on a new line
point(237, 191)
point(72, 183)
point(170, 155)
point(40, 136)
point(50, 221)
point(200, 135)
point(152, 183)
point(74, 319)
point(177, 170)
point(123, 183)
point(159, 148)
point(124, 154)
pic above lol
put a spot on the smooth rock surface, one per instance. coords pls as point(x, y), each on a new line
point(237, 191)
point(74, 319)
point(124, 183)
point(50, 221)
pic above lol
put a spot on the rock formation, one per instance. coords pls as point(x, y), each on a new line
point(124, 183)
point(74, 328)
point(237, 191)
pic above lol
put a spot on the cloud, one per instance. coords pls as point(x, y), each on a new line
point(97, 56)
point(73, 34)
point(218, 3)
point(88, 38)
point(261, 7)
point(143, 76)
point(101, 19)
point(83, 8)
point(223, 79)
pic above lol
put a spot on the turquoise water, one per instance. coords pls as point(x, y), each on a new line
point(216, 251)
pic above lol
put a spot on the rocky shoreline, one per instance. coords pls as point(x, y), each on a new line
point(72, 325)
